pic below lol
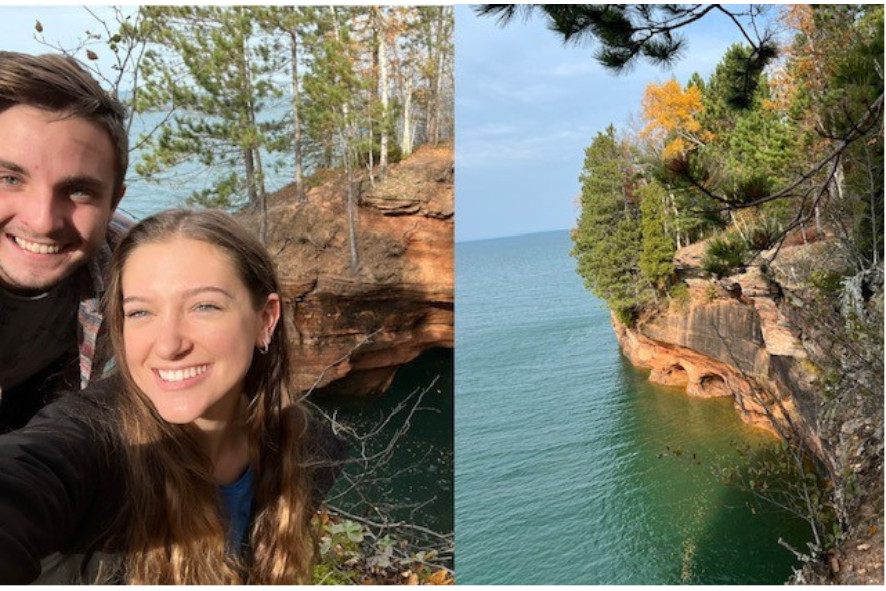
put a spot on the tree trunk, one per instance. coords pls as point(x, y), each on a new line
point(250, 177)
point(296, 122)
point(345, 134)
point(407, 139)
point(262, 199)
point(438, 80)
point(383, 91)
point(352, 215)
point(370, 159)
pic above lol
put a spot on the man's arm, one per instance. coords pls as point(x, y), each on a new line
point(51, 473)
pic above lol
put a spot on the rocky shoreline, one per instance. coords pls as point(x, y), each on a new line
point(736, 336)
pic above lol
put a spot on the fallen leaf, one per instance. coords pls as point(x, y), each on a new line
point(441, 577)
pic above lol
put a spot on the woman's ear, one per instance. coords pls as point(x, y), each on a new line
point(270, 315)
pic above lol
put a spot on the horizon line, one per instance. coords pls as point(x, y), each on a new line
point(513, 235)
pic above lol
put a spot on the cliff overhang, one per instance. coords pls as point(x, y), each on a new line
point(351, 327)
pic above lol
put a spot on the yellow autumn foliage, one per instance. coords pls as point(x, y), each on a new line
point(671, 112)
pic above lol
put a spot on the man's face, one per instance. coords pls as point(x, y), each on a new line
point(56, 185)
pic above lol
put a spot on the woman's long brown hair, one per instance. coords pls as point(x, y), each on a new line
point(176, 531)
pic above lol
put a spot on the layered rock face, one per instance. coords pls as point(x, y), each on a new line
point(730, 337)
point(763, 337)
point(351, 327)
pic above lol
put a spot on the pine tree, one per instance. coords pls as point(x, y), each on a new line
point(657, 249)
point(208, 67)
point(607, 239)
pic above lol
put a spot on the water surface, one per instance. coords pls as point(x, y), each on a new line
point(571, 467)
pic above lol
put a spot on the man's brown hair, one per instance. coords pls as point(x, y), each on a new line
point(61, 84)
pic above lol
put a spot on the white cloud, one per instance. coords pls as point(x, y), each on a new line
point(479, 150)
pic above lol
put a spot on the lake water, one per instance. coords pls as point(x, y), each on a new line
point(175, 186)
point(565, 472)
point(415, 484)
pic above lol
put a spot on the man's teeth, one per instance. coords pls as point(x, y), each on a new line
point(177, 375)
point(37, 247)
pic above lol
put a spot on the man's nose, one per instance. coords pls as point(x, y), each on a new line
point(44, 212)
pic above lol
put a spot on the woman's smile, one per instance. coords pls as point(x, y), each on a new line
point(182, 377)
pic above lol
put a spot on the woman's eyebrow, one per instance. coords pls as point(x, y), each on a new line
point(187, 293)
point(207, 288)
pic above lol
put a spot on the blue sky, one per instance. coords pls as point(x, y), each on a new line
point(63, 25)
point(526, 108)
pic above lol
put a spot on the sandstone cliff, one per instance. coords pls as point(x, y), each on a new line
point(352, 328)
point(755, 337)
point(728, 338)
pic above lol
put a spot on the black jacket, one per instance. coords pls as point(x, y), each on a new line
point(62, 482)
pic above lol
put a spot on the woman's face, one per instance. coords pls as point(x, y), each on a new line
point(190, 329)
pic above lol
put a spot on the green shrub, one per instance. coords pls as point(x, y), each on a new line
point(679, 294)
point(828, 283)
point(725, 254)
point(763, 234)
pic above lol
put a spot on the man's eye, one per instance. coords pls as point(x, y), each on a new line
point(81, 195)
point(10, 180)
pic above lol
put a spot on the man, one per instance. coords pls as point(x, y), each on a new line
point(63, 158)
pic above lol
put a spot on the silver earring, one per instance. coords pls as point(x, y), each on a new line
point(263, 349)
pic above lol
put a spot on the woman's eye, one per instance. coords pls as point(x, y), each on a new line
point(135, 314)
point(206, 307)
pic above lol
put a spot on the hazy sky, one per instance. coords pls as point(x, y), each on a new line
point(526, 108)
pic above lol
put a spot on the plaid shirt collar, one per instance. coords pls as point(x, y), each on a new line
point(95, 358)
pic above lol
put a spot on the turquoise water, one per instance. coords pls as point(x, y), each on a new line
point(565, 471)
point(415, 483)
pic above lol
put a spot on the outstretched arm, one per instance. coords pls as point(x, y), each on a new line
point(51, 474)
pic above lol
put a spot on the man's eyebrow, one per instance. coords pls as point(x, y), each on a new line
point(90, 182)
point(12, 166)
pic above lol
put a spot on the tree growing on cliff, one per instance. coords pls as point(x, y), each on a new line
point(672, 118)
point(607, 238)
point(656, 247)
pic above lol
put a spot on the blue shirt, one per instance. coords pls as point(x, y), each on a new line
point(237, 498)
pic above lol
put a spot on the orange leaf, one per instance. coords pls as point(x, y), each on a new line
point(441, 577)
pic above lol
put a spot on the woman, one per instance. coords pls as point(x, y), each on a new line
point(222, 465)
